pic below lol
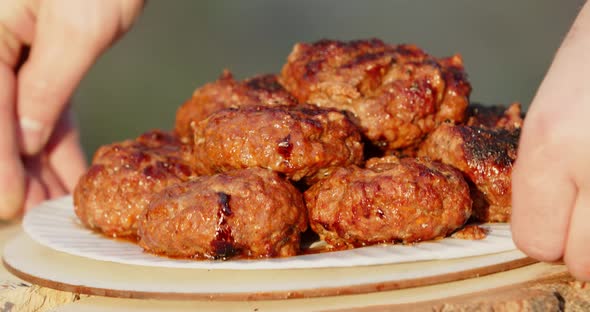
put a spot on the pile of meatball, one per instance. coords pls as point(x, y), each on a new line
point(363, 142)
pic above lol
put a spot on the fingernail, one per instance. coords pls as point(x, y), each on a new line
point(33, 135)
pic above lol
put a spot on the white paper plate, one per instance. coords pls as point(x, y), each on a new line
point(55, 225)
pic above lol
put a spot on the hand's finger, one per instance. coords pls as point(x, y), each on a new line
point(65, 154)
point(17, 17)
point(16, 28)
point(577, 255)
point(42, 182)
point(542, 193)
point(52, 183)
point(36, 193)
point(62, 52)
point(50, 179)
point(70, 35)
point(553, 149)
point(12, 176)
point(36, 190)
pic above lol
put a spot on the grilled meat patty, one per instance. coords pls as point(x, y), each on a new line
point(391, 200)
point(485, 156)
point(249, 212)
point(301, 141)
point(123, 176)
point(496, 116)
point(227, 92)
point(397, 93)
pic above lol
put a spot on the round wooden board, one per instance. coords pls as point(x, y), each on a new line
point(46, 267)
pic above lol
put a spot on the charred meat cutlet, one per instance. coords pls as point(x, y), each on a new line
point(122, 178)
point(227, 92)
point(485, 156)
point(301, 141)
point(496, 116)
point(253, 213)
point(392, 200)
point(397, 93)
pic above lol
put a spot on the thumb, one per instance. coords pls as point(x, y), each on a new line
point(70, 35)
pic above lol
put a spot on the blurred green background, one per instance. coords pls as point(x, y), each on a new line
point(179, 45)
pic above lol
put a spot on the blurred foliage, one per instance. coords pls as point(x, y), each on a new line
point(179, 45)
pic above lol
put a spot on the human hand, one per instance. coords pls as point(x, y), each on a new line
point(551, 177)
point(40, 154)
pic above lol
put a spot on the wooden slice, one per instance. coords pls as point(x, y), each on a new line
point(46, 267)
